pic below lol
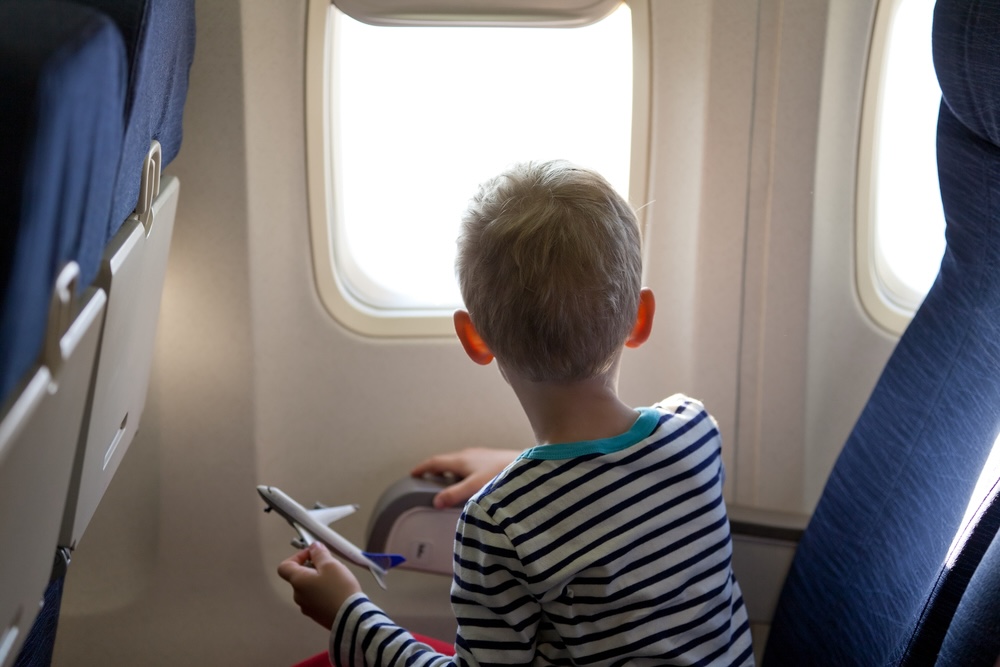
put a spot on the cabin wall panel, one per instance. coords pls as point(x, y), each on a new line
point(810, 355)
point(722, 224)
point(664, 365)
point(702, 74)
point(847, 350)
point(779, 237)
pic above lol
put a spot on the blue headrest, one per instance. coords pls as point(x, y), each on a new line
point(867, 565)
point(967, 61)
point(966, 44)
point(159, 39)
point(62, 73)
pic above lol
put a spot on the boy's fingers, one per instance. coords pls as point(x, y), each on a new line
point(307, 560)
point(436, 465)
point(293, 564)
point(424, 467)
point(319, 554)
point(456, 493)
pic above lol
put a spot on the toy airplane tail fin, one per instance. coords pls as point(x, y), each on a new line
point(384, 561)
point(381, 563)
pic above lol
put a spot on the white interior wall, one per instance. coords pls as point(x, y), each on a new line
point(846, 349)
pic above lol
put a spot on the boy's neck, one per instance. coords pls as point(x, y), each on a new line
point(573, 412)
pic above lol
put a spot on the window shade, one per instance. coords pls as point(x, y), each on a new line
point(548, 13)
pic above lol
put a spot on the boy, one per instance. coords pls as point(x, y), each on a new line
point(607, 542)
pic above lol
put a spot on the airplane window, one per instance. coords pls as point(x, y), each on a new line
point(419, 116)
point(906, 222)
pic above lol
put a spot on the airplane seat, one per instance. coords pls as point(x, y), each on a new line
point(41, 235)
point(865, 586)
point(159, 45)
point(132, 227)
point(62, 72)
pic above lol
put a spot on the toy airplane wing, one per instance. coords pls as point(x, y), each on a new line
point(305, 537)
point(327, 515)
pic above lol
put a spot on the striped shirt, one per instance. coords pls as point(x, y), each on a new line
point(605, 552)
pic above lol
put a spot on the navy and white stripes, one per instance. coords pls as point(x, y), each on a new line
point(606, 552)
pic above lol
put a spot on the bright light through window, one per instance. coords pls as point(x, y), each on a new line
point(975, 508)
point(422, 115)
point(909, 223)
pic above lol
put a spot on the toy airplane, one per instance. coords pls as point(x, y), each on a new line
point(312, 526)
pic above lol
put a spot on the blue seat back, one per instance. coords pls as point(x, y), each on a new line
point(866, 570)
point(61, 127)
point(159, 42)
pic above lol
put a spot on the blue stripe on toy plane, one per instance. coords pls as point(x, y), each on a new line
point(384, 561)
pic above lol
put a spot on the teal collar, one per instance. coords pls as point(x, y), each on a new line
point(641, 429)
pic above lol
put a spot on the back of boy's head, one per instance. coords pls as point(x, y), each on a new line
point(550, 264)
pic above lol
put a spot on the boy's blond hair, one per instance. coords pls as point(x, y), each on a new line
point(550, 263)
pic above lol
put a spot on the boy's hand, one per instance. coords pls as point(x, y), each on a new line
point(473, 467)
point(322, 587)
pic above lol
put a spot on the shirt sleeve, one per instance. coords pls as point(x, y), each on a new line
point(363, 634)
point(496, 614)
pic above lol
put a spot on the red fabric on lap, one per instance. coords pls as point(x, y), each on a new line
point(323, 660)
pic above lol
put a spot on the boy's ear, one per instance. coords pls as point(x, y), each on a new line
point(644, 319)
point(473, 343)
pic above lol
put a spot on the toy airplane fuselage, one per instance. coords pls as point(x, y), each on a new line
point(312, 526)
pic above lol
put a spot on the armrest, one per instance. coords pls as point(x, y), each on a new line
point(764, 543)
point(405, 522)
point(770, 524)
